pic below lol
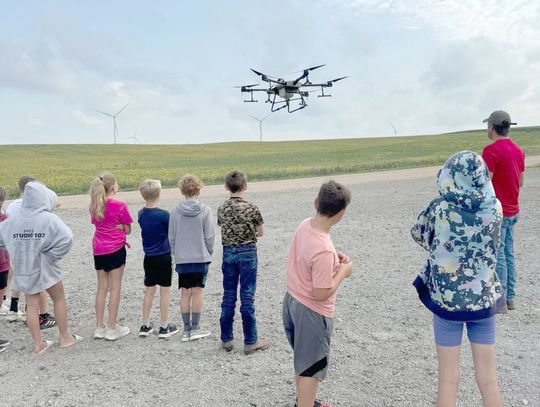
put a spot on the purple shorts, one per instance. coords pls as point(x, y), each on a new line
point(449, 333)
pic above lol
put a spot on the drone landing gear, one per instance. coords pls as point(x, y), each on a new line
point(251, 100)
point(322, 95)
point(286, 104)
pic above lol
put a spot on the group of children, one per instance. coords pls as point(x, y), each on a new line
point(460, 229)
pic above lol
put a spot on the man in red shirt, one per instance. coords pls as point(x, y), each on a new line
point(506, 164)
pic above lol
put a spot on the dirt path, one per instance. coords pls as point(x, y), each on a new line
point(81, 201)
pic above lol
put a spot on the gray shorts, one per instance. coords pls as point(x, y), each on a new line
point(309, 334)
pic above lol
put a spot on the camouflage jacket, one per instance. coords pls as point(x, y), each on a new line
point(460, 229)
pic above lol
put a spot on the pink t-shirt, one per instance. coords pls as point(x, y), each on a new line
point(4, 256)
point(313, 261)
point(107, 238)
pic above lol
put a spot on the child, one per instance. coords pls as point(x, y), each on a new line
point(4, 258)
point(113, 222)
point(241, 224)
point(191, 235)
point(315, 272)
point(154, 224)
point(45, 319)
point(458, 283)
point(36, 241)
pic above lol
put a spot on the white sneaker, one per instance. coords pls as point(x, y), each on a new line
point(99, 332)
point(13, 316)
point(114, 334)
point(4, 309)
point(185, 336)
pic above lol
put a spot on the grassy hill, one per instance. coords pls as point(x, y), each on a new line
point(69, 169)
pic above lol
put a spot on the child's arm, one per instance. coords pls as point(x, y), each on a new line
point(344, 271)
point(424, 229)
point(259, 230)
point(125, 228)
point(208, 231)
point(172, 231)
point(58, 240)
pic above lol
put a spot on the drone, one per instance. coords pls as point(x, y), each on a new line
point(288, 90)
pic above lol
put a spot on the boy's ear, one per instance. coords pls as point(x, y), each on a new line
point(316, 204)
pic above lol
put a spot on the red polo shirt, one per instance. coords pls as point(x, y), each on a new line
point(506, 161)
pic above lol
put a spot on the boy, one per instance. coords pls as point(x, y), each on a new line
point(154, 224)
point(315, 272)
point(241, 224)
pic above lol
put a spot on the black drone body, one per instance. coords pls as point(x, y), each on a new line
point(287, 90)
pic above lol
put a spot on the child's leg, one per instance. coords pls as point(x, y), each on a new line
point(248, 285)
point(185, 308)
point(101, 296)
point(197, 297)
point(32, 320)
point(149, 293)
point(115, 285)
point(448, 357)
point(306, 389)
point(231, 275)
point(448, 336)
point(60, 311)
point(43, 302)
point(164, 298)
point(482, 335)
point(485, 370)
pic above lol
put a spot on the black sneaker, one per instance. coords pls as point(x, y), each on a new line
point(168, 332)
point(146, 330)
point(3, 343)
point(46, 322)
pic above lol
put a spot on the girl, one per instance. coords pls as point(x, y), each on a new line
point(37, 240)
point(191, 237)
point(113, 222)
point(4, 259)
point(458, 283)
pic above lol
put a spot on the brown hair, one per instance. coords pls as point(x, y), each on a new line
point(98, 194)
point(332, 199)
point(25, 179)
point(3, 194)
point(150, 189)
point(190, 185)
point(236, 181)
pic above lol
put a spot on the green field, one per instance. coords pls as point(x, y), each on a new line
point(69, 169)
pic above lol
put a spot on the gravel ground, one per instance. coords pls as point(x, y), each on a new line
point(382, 350)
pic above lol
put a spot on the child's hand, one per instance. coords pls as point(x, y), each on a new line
point(120, 227)
point(343, 259)
point(347, 268)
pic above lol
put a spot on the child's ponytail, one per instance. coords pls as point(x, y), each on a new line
point(98, 194)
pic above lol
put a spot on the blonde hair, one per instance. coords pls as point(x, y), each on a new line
point(190, 185)
point(99, 189)
point(150, 189)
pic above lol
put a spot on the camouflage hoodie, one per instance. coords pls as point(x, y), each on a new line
point(460, 229)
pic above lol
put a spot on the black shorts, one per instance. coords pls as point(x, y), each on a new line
point(3, 280)
point(158, 270)
point(110, 261)
point(192, 275)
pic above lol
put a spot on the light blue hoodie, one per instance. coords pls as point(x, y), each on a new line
point(36, 239)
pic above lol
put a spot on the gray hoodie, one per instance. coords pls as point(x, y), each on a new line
point(35, 239)
point(191, 232)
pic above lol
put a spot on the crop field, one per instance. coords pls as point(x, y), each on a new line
point(69, 169)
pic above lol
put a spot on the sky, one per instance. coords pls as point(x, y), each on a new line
point(422, 66)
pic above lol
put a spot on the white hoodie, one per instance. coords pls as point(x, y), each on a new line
point(35, 240)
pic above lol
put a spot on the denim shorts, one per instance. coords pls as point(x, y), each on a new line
point(449, 333)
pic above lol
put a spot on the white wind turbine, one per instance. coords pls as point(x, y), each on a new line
point(134, 138)
point(260, 123)
point(115, 128)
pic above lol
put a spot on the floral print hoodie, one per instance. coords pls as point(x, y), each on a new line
point(460, 229)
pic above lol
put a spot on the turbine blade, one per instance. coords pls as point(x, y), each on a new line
point(120, 111)
point(106, 114)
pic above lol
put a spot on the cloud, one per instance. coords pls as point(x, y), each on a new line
point(86, 119)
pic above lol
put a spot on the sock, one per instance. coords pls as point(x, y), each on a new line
point(165, 324)
point(44, 316)
point(5, 298)
point(195, 317)
point(147, 324)
point(14, 304)
point(185, 319)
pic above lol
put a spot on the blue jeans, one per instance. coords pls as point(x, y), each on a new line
point(239, 263)
point(506, 265)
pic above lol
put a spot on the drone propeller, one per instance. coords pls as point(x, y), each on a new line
point(245, 86)
point(338, 79)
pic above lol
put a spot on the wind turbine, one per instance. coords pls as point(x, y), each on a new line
point(115, 128)
point(134, 138)
point(394, 127)
point(260, 123)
